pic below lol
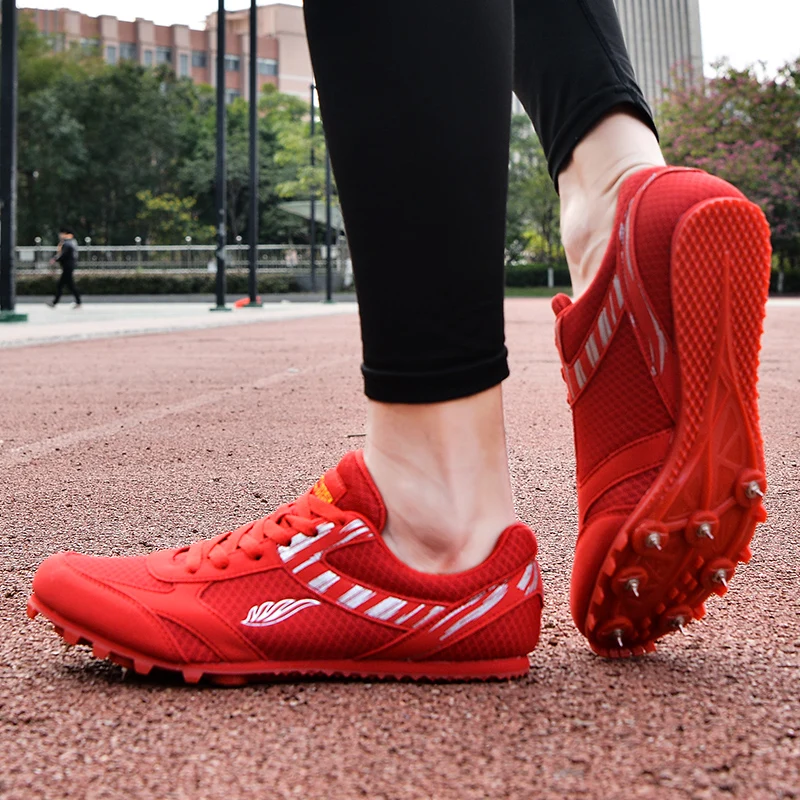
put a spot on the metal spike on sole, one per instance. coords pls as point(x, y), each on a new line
point(653, 541)
point(753, 490)
point(704, 531)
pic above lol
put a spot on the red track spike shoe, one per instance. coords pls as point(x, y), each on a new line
point(310, 590)
point(660, 359)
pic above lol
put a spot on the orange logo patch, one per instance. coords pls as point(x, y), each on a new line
point(321, 490)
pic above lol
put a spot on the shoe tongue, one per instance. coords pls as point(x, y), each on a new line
point(349, 486)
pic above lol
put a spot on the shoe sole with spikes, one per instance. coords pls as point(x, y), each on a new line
point(689, 532)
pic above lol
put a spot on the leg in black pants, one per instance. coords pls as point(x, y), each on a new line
point(415, 103)
point(67, 280)
point(62, 282)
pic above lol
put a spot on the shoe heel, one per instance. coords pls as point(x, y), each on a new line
point(721, 261)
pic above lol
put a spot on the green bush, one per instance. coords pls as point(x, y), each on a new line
point(100, 283)
point(536, 274)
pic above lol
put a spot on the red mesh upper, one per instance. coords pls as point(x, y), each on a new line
point(514, 634)
point(127, 571)
point(323, 631)
point(620, 404)
point(370, 563)
point(194, 651)
point(625, 495)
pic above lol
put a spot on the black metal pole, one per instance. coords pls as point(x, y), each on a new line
point(328, 231)
point(221, 188)
point(313, 222)
point(8, 163)
point(253, 236)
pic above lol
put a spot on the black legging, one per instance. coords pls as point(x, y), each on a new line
point(67, 280)
point(416, 103)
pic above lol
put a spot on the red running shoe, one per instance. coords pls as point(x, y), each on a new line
point(310, 590)
point(660, 359)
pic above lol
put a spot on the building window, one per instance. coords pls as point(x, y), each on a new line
point(232, 63)
point(231, 95)
point(127, 51)
point(163, 55)
point(199, 59)
point(90, 45)
point(148, 58)
point(56, 41)
point(111, 54)
point(267, 66)
point(183, 65)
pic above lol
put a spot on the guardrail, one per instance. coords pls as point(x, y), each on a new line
point(180, 258)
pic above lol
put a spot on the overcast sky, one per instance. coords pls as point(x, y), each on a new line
point(745, 31)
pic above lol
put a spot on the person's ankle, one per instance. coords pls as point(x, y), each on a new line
point(615, 149)
point(442, 470)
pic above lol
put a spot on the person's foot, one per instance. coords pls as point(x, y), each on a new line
point(660, 358)
point(311, 589)
point(50, 304)
point(76, 306)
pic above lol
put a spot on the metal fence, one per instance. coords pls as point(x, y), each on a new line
point(185, 258)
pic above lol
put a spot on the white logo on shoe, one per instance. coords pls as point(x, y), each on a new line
point(272, 612)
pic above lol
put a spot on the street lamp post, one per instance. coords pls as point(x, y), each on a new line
point(8, 163)
point(313, 222)
point(221, 187)
point(252, 282)
point(328, 230)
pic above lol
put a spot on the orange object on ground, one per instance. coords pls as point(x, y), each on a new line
point(660, 358)
point(244, 301)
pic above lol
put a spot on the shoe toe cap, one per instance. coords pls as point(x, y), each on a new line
point(68, 586)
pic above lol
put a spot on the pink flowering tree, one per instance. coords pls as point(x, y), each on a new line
point(744, 127)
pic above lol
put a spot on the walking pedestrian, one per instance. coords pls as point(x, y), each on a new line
point(407, 559)
point(67, 257)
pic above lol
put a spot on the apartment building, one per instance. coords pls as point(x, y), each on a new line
point(283, 58)
point(664, 42)
point(663, 38)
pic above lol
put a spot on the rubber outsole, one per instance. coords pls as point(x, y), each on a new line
point(684, 540)
point(233, 675)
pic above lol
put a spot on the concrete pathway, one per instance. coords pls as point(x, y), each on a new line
point(102, 320)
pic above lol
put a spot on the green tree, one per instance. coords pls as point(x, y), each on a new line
point(108, 149)
point(197, 173)
point(743, 127)
point(532, 213)
point(167, 219)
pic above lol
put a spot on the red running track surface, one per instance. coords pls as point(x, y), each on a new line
point(119, 446)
